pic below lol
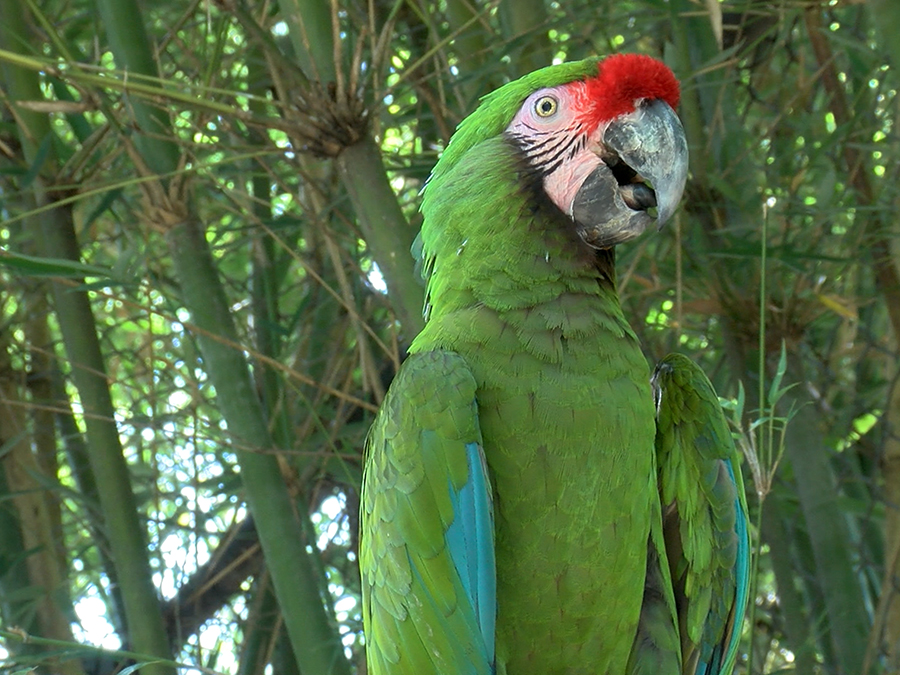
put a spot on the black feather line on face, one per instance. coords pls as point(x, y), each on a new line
point(531, 175)
point(545, 151)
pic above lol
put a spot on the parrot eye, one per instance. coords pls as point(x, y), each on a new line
point(546, 106)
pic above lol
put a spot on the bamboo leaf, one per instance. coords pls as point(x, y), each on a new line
point(65, 107)
point(49, 267)
point(780, 369)
point(37, 162)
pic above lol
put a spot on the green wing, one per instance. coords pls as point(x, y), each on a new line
point(427, 542)
point(704, 516)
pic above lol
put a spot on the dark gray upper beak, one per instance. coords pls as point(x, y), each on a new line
point(652, 142)
point(648, 145)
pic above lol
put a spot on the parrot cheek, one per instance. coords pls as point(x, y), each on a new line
point(604, 212)
point(563, 184)
point(602, 217)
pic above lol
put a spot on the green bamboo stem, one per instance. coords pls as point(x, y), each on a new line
point(77, 324)
point(259, 629)
point(385, 229)
point(525, 21)
point(315, 640)
point(43, 601)
point(266, 641)
point(470, 47)
point(14, 577)
point(284, 662)
point(120, 511)
point(381, 220)
point(131, 47)
point(33, 589)
point(78, 455)
point(805, 570)
point(884, 16)
point(44, 536)
point(265, 278)
point(311, 36)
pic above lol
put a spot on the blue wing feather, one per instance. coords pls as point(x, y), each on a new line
point(741, 569)
point(706, 516)
point(722, 654)
point(427, 540)
point(470, 540)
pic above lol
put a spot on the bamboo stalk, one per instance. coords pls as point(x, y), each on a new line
point(310, 32)
point(131, 47)
point(76, 321)
point(316, 642)
point(526, 21)
point(386, 230)
point(126, 534)
point(281, 532)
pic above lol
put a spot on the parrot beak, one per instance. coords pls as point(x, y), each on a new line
point(644, 165)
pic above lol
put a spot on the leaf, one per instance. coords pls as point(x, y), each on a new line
point(774, 391)
point(715, 18)
point(66, 107)
point(137, 666)
point(34, 266)
point(838, 306)
point(103, 206)
point(39, 158)
point(11, 443)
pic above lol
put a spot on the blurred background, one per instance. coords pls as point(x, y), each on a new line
point(205, 289)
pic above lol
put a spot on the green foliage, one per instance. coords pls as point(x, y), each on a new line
point(777, 276)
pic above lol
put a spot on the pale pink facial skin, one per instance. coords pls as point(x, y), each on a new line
point(559, 136)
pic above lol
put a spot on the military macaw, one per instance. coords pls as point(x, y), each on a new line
point(534, 503)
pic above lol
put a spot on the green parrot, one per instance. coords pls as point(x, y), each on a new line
point(534, 502)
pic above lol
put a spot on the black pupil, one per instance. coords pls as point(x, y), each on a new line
point(546, 106)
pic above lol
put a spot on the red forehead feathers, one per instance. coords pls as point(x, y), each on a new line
point(622, 79)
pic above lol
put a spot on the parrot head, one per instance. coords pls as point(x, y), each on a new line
point(600, 138)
